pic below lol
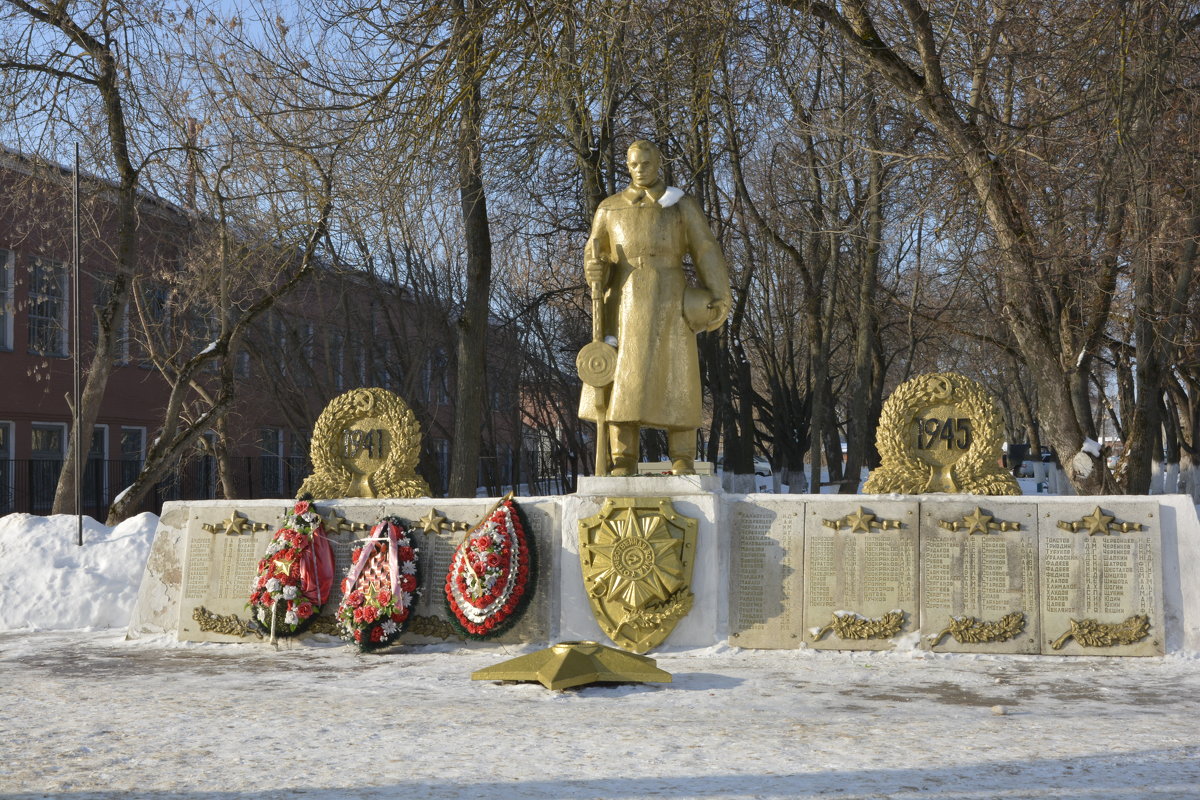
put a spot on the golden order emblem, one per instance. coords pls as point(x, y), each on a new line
point(366, 444)
point(940, 433)
point(637, 556)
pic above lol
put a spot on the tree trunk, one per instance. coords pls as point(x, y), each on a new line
point(860, 427)
point(92, 394)
point(472, 324)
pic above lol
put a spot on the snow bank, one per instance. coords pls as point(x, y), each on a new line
point(48, 582)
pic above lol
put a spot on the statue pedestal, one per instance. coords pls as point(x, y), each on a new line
point(696, 496)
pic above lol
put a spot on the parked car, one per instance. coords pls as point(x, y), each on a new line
point(762, 467)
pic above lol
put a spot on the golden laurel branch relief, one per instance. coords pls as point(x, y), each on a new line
point(236, 525)
point(847, 625)
point(433, 522)
point(978, 522)
point(969, 630)
point(366, 443)
point(862, 522)
point(637, 555)
point(336, 523)
point(1099, 523)
point(325, 624)
point(1090, 633)
point(224, 624)
point(940, 433)
point(434, 627)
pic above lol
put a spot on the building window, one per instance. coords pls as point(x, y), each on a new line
point(133, 451)
point(6, 468)
point(441, 460)
point(337, 359)
point(241, 364)
point(6, 300)
point(49, 440)
point(104, 289)
point(206, 466)
point(308, 336)
point(154, 311)
point(270, 443)
point(434, 378)
point(47, 307)
point(95, 474)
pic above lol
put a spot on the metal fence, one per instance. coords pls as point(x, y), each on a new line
point(27, 485)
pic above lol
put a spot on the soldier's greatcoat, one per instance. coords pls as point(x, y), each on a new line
point(657, 381)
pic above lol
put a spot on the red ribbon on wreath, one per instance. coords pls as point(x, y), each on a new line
point(377, 535)
point(316, 567)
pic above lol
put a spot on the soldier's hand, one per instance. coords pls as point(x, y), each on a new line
point(720, 310)
point(595, 272)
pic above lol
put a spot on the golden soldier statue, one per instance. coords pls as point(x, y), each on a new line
point(645, 309)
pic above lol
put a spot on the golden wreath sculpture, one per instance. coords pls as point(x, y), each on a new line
point(940, 432)
point(366, 443)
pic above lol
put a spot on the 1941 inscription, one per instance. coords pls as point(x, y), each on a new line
point(355, 441)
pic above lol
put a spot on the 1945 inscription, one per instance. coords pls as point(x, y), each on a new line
point(954, 433)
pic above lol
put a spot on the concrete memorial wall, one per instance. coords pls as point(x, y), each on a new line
point(205, 556)
point(951, 573)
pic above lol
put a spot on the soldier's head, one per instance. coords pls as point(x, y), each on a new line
point(643, 159)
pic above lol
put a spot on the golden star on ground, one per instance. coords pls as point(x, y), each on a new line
point(569, 664)
point(977, 521)
point(1097, 522)
point(432, 522)
point(859, 521)
point(284, 567)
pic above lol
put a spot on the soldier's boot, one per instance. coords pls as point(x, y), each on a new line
point(681, 446)
point(623, 444)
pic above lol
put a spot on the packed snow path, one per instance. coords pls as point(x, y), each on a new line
point(89, 715)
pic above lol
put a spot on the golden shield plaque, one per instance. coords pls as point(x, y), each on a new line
point(637, 555)
point(940, 432)
point(366, 443)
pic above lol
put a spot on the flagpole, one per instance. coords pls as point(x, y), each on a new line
point(75, 340)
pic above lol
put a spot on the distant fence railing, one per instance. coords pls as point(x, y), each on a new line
point(27, 485)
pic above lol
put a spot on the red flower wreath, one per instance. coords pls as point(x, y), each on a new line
point(380, 587)
point(491, 575)
point(295, 576)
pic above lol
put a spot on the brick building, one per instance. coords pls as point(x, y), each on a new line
point(333, 333)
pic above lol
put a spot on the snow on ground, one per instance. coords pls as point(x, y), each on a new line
point(87, 714)
point(49, 582)
point(92, 716)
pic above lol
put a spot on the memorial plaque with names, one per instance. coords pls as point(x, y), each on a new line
point(1101, 579)
point(438, 528)
point(220, 564)
point(861, 587)
point(767, 556)
point(979, 577)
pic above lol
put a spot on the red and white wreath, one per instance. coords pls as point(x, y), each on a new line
point(295, 576)
point(491, 573)
point(380, 587)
